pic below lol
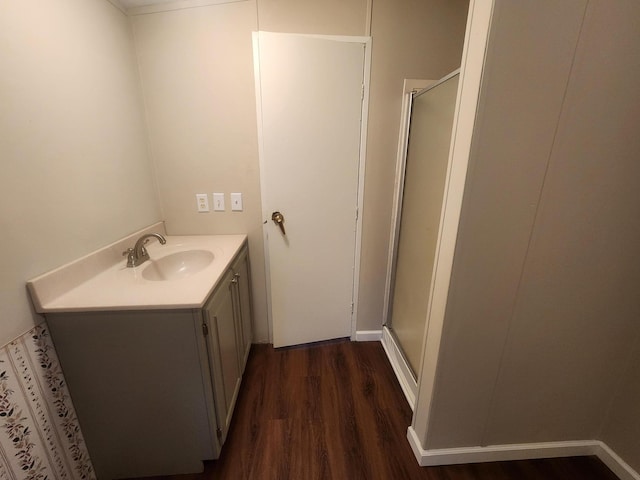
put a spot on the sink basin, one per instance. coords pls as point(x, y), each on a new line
point(177, 265)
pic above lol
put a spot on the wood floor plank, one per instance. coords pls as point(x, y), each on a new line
point(335, 411)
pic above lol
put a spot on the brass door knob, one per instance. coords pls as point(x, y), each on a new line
point(278, 219)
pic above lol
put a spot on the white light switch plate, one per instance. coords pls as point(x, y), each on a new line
point(203, 202)
point(218, 202)
point(236, 202)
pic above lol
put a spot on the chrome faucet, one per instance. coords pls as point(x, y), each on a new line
point(138, 254)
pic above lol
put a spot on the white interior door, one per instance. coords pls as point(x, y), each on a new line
point(309, 116)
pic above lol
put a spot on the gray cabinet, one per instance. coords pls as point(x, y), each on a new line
point(242, 275)
point(226, 325)
point(223, 346)
point(155, 390)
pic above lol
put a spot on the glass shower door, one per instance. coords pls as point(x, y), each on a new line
point(424, 181)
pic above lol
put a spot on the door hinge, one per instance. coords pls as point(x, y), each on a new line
point(351, 308)
point(362, 92)
point(219, 433)
point(205, 329)
point(357, 213)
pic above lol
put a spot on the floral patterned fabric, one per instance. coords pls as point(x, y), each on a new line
point(40, 436)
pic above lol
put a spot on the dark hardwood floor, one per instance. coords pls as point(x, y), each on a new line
point(335, 411)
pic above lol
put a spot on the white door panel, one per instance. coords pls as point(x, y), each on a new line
point(310, 103)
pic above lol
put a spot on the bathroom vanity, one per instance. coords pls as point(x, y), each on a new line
point(153, 355)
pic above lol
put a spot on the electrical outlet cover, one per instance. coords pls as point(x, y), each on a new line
point(202, 200)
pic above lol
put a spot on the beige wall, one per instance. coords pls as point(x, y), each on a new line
point(196, 67)
point(197, 74)
point(411, 39)
point(75, 169)
point(622, 426)
point(618, 104)
point(542, 311)
point(329, 17)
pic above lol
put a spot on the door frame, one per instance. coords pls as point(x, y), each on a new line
point(410, 87)
point(399, 363)
point(406, 377)
point(364, 118)
point(467, 105)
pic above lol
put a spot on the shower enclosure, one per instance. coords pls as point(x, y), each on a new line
point(421, 184)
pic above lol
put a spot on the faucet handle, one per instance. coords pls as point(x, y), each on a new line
point(129, 253)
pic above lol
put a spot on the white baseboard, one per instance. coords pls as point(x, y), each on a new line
point(368, 336)
point(497, 453)
point(526, 451)
point(616, 464)
point(400, 367)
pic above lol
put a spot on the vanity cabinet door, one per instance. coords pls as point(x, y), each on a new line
point(242, 277)
point(222, 348)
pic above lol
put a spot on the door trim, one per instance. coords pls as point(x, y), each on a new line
point(409, 88)
point(364, 118)
point(471, 72)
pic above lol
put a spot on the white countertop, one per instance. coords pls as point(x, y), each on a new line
point(113, 286)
